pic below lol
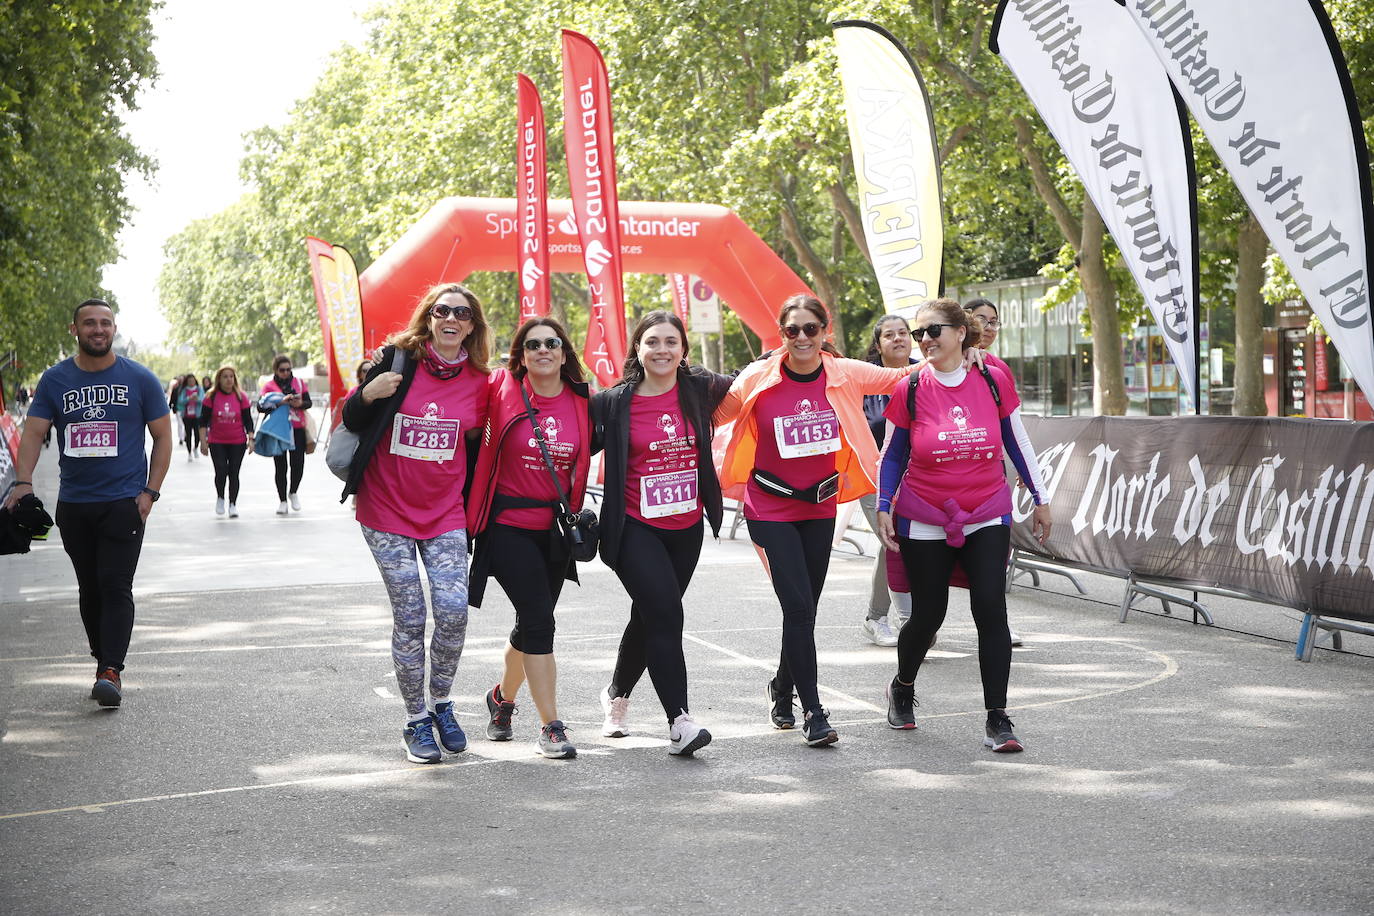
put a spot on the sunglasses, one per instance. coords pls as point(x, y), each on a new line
point(548, 343)
point(461, 312)
point(932, 329)
point(810, 329)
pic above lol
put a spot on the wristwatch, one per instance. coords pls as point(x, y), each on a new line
point(153, 493)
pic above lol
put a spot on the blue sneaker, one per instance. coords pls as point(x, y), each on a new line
point(450, 732)
point(420, 746)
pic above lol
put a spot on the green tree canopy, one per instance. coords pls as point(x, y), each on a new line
point(68, 73)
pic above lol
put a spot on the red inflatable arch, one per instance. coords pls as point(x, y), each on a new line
point(460, 235)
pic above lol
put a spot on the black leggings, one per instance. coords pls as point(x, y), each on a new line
point(104, 541)
point(297, 457)
point(227, 459)
point(928, 565)
point(192, 429)
point(517, 556)
point(798, 558)
point(655, 566)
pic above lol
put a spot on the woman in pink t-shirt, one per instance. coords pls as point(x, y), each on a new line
point(226, 415)
point(943, 497)
point(538, 408)
point(655, 428)
point(801, 444)
point(987, 323)
point(414, 429)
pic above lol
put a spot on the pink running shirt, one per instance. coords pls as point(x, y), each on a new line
point(413, 486)
point(662, 487)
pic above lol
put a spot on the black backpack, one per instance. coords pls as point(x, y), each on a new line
point(911, 394)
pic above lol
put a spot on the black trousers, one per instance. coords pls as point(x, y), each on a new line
point(297, 459)
point(928, 565)
point(104, 541)
point(192, 430)
point(227, 460)
point(798, 559)
point(655, 566)
point(532, 580)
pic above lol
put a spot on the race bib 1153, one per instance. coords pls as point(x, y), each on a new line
point(807, 434)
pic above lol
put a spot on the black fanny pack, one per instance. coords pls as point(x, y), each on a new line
point(816, 493)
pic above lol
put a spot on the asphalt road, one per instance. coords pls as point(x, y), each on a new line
point(257, 765)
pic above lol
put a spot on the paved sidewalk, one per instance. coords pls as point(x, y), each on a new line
point(257, 765)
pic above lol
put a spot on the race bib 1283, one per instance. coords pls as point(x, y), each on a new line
point(423, 438)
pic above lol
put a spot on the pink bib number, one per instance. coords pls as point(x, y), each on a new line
point(806, 434)
point(93, 439)
point(667, 494)
point(423, 438)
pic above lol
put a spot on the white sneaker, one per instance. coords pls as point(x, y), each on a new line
point(617, 710)
point(219, 506)
point(281, 509)
point(1015, 637)
point(295, 502)
point(233, 511)
point(685, 737)
point(879, 632)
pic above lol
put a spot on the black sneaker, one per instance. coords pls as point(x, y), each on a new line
point(107, 690)
point(999, 735)
point(901, 698)
point(781, 714)
point(498, 729)
point(816, 729)
point(553, 742)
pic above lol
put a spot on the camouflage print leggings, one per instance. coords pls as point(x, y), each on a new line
point(446, 563)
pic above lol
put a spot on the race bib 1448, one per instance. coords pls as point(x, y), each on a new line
point(93, 439)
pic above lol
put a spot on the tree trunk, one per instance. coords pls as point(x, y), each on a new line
point(1109, 385)
point(1251, 247)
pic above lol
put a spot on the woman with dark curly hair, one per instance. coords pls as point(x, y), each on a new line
point(537, 418)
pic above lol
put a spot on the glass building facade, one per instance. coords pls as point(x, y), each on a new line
point(1052, 355)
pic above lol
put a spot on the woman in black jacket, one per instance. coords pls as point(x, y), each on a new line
point(655, 427)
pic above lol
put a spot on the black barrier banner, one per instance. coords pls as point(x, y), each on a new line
point(1281, 509)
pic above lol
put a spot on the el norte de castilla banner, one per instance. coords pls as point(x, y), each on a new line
point(1267, 83)
point(1276, 508)
point(1109, 104)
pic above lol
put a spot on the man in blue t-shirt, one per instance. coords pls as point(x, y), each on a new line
point(100, 405)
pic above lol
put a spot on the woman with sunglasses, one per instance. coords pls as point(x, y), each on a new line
point(538, 407)
point(296, 395)
point(656, 428)
point(986, 324)
point(943, 497)
point(801, 444)
point(227, 418)
point(414, 429)
point(887, 610)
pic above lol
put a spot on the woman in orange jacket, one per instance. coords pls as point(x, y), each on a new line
point(801, 445)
